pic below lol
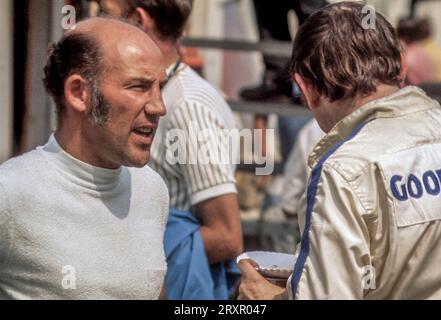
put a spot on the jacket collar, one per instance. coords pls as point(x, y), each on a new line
point(407, 100)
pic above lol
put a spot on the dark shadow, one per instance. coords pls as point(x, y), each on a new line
point(119, 204)
point(21, 28)
point(433, 90)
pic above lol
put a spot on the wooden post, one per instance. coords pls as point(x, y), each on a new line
point(6, 81)
point(44, 27)
point(36, 122)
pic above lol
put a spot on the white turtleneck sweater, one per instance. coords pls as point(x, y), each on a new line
point(69, 230)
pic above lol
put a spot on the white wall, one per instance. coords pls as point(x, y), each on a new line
point(432, 10)
point(6, 62)
point(207, 21)
point(392, 10)
point(37, 101)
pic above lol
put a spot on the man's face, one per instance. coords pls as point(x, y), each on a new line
point(131, 89)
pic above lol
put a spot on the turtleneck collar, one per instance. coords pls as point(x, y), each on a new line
point(81, 173)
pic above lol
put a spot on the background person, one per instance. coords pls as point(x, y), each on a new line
point(272, 21)
point(422, 52)
point(208, 191)
point(296, 171)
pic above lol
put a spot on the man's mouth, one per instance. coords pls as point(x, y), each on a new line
point(145, 132)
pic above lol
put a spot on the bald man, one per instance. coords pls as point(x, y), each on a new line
point(82, 217)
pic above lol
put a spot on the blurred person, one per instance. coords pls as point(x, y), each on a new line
point(296, 171)
point(295, 179)
point(75, 221)
point(433, 90)
point(423, 54)
point(272, 22)
point(208, 191)
point(370, 219)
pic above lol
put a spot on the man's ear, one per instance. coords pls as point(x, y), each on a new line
point(309, 93)
point(404, 69)
point(76, 93)
point(144, 19)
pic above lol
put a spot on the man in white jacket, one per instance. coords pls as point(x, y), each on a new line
point(371, 217)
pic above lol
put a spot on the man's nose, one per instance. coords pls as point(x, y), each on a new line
point(156, 108)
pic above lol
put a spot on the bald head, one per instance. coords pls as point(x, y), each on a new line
point(92, 49)
point(115, 33)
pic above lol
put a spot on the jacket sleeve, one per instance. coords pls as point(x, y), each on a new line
point(333, 257)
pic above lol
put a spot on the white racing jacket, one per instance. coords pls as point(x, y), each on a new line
point(371, 216)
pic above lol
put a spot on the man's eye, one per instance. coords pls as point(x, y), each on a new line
point(139, 87)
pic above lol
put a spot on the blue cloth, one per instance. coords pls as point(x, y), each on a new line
point(189, 275)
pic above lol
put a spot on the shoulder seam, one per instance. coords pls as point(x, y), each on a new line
point(348, 182)
point(336, 166)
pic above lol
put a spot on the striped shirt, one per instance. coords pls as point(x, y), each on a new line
point(196, 120)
